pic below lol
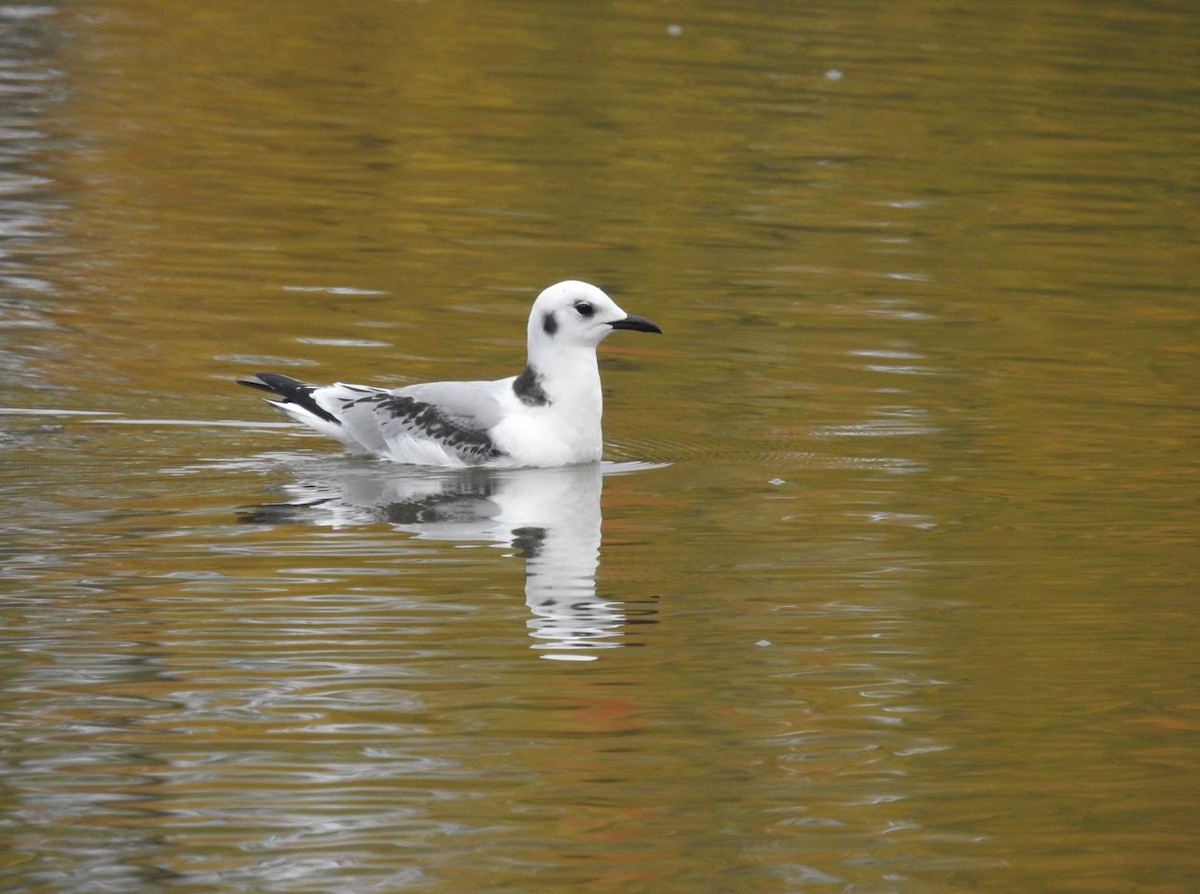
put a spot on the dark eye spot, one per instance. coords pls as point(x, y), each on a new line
point(584, 309)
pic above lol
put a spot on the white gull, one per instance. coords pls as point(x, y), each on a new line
point(549, 415)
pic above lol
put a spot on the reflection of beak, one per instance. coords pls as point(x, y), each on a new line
point(638, 324)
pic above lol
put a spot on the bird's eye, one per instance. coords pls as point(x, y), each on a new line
point(584, 309)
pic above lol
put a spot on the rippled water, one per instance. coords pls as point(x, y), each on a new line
point(888, 583)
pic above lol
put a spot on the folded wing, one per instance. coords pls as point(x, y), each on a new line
point(437, 423)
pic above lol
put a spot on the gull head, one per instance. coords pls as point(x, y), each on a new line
point(577, 314)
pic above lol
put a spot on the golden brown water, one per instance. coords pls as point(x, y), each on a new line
point(890, 585)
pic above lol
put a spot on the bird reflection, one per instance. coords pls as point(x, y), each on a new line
point(550, 516)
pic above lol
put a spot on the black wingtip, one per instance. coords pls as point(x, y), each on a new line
point(291, 390)
point(255, 382)
point(276, 383)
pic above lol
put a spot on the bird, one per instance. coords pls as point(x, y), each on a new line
point(547, 415)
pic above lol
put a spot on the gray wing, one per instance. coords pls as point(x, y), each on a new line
point(456, 416)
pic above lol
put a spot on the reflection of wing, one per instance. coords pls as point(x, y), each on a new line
point(550, 516)
point(340, 494)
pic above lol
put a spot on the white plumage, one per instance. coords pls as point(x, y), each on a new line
point(549, 415)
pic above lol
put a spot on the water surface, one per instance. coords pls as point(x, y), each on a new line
point(888, 583)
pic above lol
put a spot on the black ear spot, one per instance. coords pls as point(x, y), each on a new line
point(549, 324)
point(584, 309)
